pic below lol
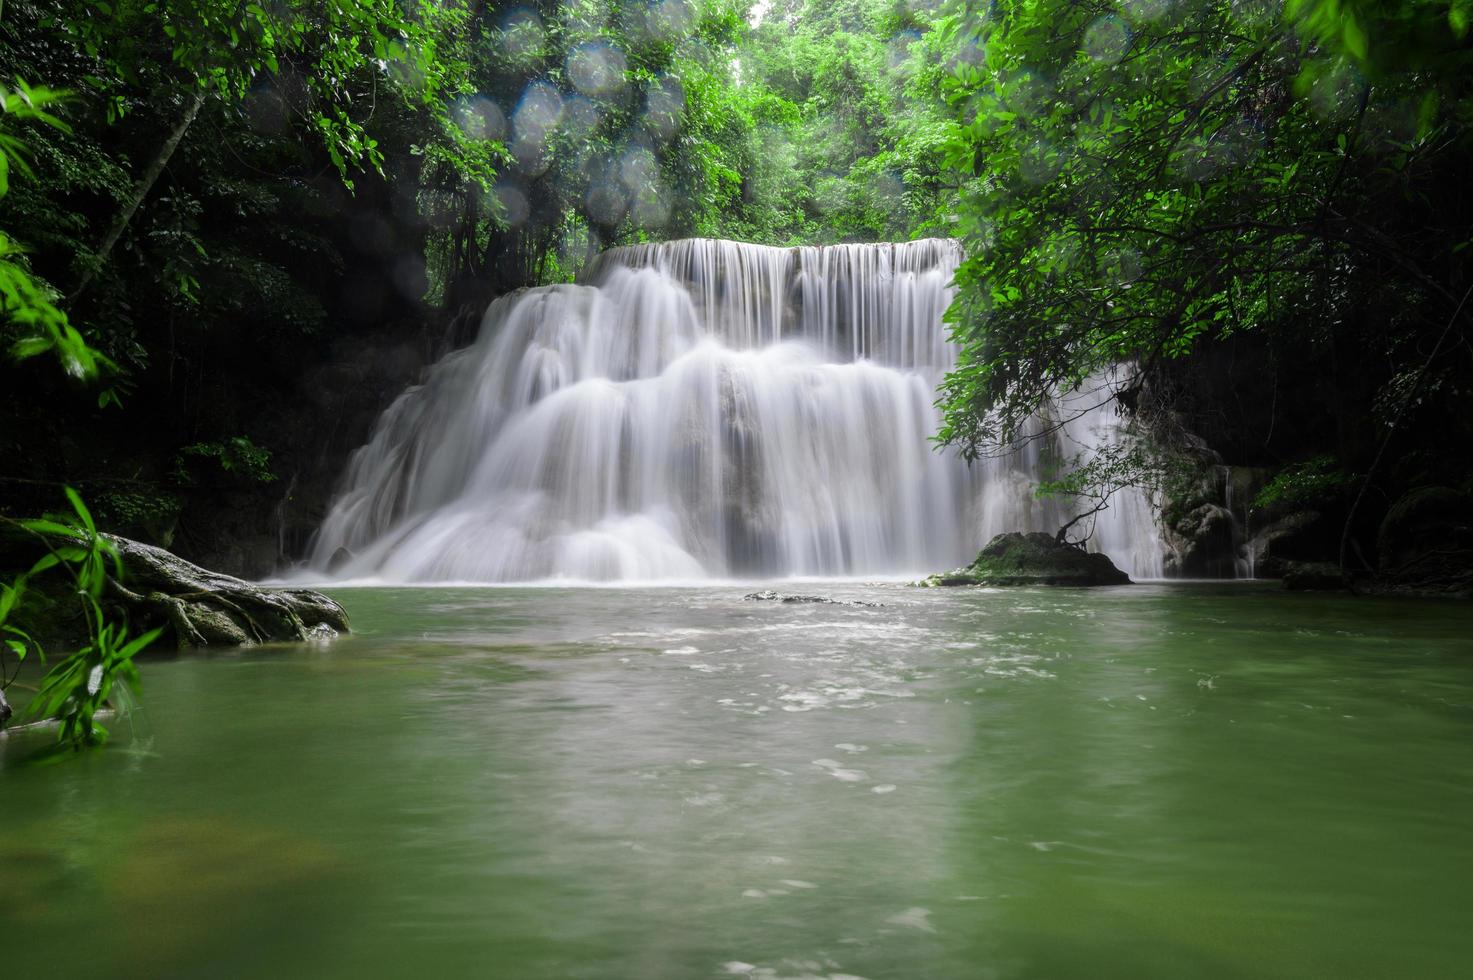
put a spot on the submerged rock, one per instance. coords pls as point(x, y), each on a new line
point(771, 596)
point(1032, 559)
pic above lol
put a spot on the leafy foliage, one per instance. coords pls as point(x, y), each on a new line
point(1311, 482)
point(237, 456)
point(28, 307)
point(1092, 479)
point(226, 48)
point(1140, 180)
point(76, 688)
point(839, 121)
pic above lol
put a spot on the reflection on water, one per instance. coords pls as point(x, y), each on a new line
point(1149, 781)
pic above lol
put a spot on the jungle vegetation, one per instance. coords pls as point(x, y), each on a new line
point(230, 230)
point(221, 191)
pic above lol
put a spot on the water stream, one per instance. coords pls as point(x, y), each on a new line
point(706, 409)
point(1151, 781)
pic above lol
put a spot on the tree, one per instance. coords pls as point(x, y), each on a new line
point(223, 48)
point(1138, 181)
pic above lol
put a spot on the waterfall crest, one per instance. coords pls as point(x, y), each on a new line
point(698, 409)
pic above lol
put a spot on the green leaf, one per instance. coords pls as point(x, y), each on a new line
point(137, 645)
point(1355, 38)
point(81, 509)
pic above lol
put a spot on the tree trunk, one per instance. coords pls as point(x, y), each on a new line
point(140, 191)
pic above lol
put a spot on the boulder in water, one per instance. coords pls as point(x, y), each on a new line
point(1032, 559)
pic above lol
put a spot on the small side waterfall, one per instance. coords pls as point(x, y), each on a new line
point(703, 409)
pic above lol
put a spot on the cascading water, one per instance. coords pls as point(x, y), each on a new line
point(702, 409)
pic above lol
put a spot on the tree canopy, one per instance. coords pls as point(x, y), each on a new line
point(1147, 176)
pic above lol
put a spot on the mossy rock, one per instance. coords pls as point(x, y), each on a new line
point(196, 607)
point(205, 608)
point(1032, 559)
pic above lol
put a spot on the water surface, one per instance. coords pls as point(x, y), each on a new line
point(1152, 781)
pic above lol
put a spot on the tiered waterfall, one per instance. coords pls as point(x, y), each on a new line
point(702, 409)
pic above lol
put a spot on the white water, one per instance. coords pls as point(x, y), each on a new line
point(702, 409)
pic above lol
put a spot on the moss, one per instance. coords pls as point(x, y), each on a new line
point(1032, 559)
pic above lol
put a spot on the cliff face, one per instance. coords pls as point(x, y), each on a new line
point(1310, 461)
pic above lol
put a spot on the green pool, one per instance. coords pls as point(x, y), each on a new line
point(1150, 781)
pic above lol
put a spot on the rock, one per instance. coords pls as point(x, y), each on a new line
point(1277, 546)
point(1313, 576)
point(1202, 543)
point(204, 608)
point(197, 607)
point(1426, 539)
point(771, 596)
point(4, 708)
point(1272, 566)
point(1032, 559)
point(339, 558)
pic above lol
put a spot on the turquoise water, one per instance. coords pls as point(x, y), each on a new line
point(1151, 781)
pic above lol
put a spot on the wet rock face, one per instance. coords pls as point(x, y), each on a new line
point(1032, 559)
point(1201, 543)
point(1299, 536)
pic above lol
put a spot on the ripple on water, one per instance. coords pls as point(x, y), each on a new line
point(844, 695)
point(913, 918)
point(807, 970)
point(839, 772)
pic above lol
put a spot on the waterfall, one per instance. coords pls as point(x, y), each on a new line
point(699, 409)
